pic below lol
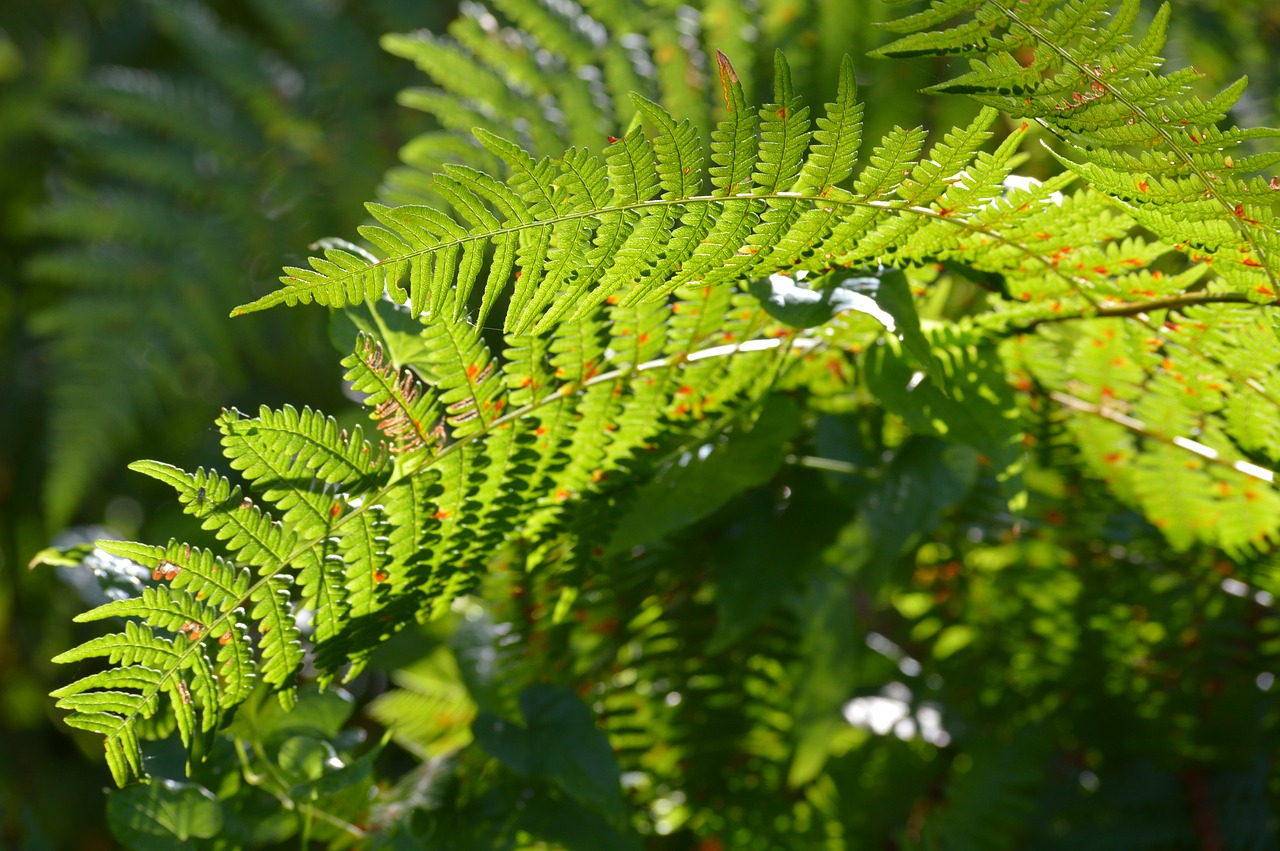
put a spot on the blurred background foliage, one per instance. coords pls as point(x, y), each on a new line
point(159, 161)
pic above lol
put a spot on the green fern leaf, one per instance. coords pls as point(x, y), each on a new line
point(1096, 87)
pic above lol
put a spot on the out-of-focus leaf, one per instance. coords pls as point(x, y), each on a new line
point(833, 653)
point(392, 324)
point(973, 406)
point(709, 476)
point(253, 818)
point(11, 61)
point(952, 639)
point(926, 477)
point(568, 823)
point(71, 556)
point(306, 758)
point(430, 712)
point(559, 743)
point(164, 815)
point(98, 576)
point(321, 714)
point(768, 553)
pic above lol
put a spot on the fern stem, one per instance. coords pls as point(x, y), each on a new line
point(1137, 309)
point(828, 465)
point(305, 811)
point(1208, 453)
point(570, 388)
point(253, 778)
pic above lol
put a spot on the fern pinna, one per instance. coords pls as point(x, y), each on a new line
point(628, 336)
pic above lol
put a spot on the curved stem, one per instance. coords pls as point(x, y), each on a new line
point(1137, 309)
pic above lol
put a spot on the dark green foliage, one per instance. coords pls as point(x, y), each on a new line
point(797, 500)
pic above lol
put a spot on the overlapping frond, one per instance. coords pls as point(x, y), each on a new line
point(1177, 422)
point(1164, 390)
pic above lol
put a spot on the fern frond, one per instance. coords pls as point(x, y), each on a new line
point(571, 233)
point(1075, 68)
point(361, 542)
point(1154, 420)
point(629, 342)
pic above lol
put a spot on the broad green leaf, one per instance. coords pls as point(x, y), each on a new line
point(926, 477)
point(164, 815)
point(319, 713)
point(973, 405)
point(304, 758)
point(885, 297)
point(559, 743)
point(804, 307)
point(892, 295)
point(566, 822)
point(766, 554)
